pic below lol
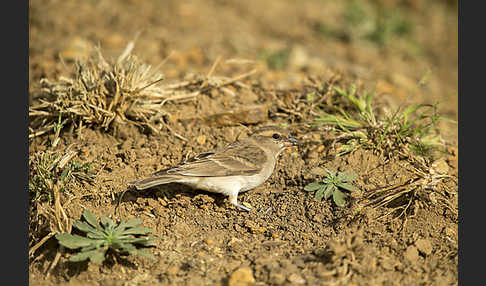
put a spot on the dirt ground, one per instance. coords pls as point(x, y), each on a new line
point(288, 238)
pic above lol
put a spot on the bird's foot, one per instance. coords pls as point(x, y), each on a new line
point(242, 207)
point(233, 198)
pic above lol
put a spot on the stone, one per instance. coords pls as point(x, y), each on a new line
point(424, 246)
point(172, 270)
point(296, 279)
point(276, 278)
point(411, 254)
point(243, 276)
point(201, 140)
point(440, 167)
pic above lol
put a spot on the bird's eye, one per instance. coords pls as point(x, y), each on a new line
point(276, 136)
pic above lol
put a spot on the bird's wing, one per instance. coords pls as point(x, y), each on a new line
point(235, 159)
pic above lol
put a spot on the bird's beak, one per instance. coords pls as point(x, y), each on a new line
point(291, 141)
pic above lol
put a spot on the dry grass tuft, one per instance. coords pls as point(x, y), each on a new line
point(51, 175)
point(102, 94)
point(427, 185)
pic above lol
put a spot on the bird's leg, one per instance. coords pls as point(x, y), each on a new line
point(233, 198)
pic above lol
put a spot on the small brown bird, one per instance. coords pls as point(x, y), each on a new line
point(239, 167)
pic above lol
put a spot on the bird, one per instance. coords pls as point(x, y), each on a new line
point(238, 167)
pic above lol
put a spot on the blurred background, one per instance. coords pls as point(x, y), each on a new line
point(388, 45)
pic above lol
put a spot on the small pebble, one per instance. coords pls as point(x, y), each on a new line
point(411, 254)
point(424, 246)
point(243, 276)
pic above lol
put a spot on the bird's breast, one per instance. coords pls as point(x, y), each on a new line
point(258, 179)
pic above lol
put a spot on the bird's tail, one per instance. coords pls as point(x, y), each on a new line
point(153, 181)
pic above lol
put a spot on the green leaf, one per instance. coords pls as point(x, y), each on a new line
point(328, 191)
point(83, 226)
point(137, 230)
point(331, 172)
point(98, 256)
point(145, 241)
point(312, 187)
point(126, 247)
point(348, 187)
point(95, 245)
point(127, 224)
point(339, 198)
point(96, 235)
point(327, 181)
point(346, 177)
point(106, 222)
point(319, 194)
point(91, 219)
point(82, 256)
point(73, 241)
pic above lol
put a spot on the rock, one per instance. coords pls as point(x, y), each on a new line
point(172, 270)
point(233, 241)
point(140, 279)
point(387, 263)
point(276, 278)
point(424, 246)
point(201, 140)
point(440, 167)
point(312, 154)
point(411, 254)
point(255, 228)
point(296, 279)
point(241, 277)
point(209, 241)
point(298, 57)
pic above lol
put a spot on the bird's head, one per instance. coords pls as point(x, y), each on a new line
point(275, 138)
